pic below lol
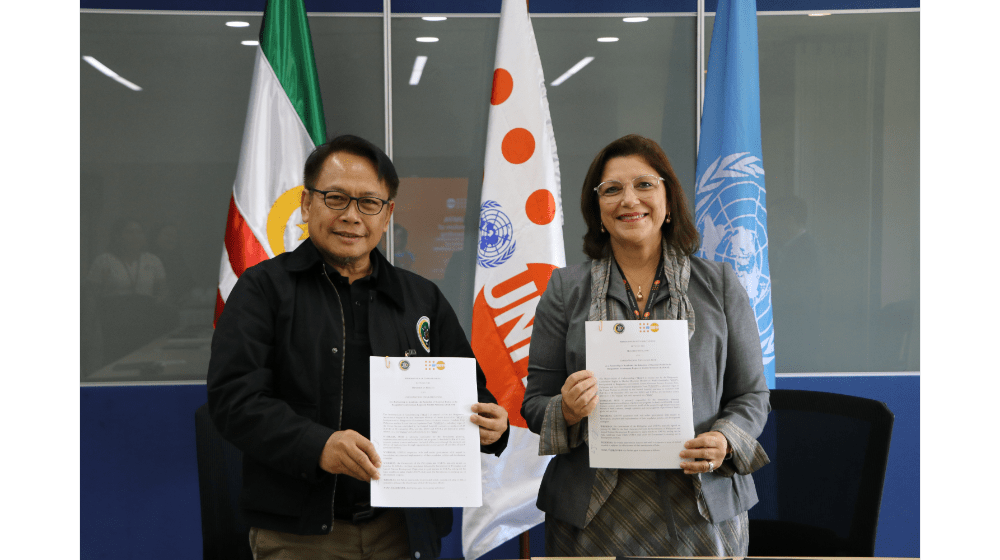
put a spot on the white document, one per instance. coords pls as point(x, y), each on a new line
point(643, 415)
point(420, 409)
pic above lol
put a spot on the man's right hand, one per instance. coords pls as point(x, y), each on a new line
point(350, 453)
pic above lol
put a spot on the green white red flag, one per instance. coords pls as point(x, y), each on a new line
point(284, 124)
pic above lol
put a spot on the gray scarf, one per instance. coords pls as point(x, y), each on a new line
point(677, 269)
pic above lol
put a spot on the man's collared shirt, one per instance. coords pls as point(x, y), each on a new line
point(352, 494)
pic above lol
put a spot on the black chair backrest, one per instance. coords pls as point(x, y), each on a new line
point(220, 477)
point(821, 494)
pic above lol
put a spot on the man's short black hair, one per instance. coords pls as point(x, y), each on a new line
point(352, 145)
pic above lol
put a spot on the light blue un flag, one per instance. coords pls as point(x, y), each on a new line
point(729, 197)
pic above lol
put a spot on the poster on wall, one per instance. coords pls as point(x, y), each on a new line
point(429, 223)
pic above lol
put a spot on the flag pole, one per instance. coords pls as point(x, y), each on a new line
point(700, 71)
point(390, 239)
point(524, 539)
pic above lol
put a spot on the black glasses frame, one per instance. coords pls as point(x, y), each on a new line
point(326, 201)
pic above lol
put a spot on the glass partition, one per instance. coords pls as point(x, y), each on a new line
point(157, 169)
point(840, 117)
point(643, 83)
point(840, 107)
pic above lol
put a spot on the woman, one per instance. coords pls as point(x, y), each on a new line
point(640, 237)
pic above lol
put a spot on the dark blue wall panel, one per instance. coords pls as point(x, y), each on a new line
point(229, 5)
point(139, 477)
point(493, 6)
point(139, 473)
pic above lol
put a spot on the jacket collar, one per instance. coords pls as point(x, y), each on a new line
point(387, 282)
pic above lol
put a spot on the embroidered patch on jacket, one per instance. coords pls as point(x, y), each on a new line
point(424, 332)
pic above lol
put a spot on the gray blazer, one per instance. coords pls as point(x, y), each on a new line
point(727, 379)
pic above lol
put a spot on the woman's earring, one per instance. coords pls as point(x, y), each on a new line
point(668, 217)
point(602, 227)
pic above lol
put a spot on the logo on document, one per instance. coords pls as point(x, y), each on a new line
point(431, 365)
point(404, 364)
point(619, 328)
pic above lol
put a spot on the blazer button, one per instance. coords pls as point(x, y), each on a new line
point(334, 350)
point(324, 528)
point(416, 554)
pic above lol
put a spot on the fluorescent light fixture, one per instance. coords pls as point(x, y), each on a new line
point(635, 19)
point(576, 68)
point(427, 39)
point(250, 43)
point(111, 73)
point(237, 24)
point(418, 69)
point(818, 15)
point(607, 39)
point(433, 18)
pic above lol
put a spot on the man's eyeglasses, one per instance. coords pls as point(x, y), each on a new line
point(336, 200)
point(643, 185)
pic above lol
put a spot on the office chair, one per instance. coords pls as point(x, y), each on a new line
point(220, 477)
point(821, 493)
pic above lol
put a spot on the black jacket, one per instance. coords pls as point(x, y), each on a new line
point(276, 375)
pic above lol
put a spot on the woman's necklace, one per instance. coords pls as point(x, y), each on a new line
point(638, 290)
point(634, 299)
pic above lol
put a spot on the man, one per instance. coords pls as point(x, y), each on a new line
point(288, 381)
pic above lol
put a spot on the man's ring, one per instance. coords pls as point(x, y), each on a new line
point(711, 466)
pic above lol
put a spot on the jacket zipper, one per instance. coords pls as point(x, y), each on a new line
point(343, 363)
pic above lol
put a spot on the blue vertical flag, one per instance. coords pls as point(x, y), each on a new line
point(729, 196)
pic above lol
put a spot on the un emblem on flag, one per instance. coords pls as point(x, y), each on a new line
point(496, 235)
point(731, 215)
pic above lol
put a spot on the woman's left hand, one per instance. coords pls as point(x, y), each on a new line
point(492, 421)
point(710, 446)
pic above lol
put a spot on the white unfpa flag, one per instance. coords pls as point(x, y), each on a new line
point(520, 244)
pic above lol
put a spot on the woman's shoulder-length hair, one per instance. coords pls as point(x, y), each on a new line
point(680, 232)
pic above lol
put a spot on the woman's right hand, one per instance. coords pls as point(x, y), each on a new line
point(579, 396)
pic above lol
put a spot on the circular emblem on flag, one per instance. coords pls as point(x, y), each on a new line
point(733, 220)
point(496, 235)
point(282, 219)
point(731, 215)
point(424, 332)
point(404, 364)
point(619, 328)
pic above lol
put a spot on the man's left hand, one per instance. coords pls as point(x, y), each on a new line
point(492, 421)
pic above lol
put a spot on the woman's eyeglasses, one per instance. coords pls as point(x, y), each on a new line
point(643, 185)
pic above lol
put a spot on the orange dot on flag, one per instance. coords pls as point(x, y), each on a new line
point(540, 207)
point(503, 84)
point(518, 145)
